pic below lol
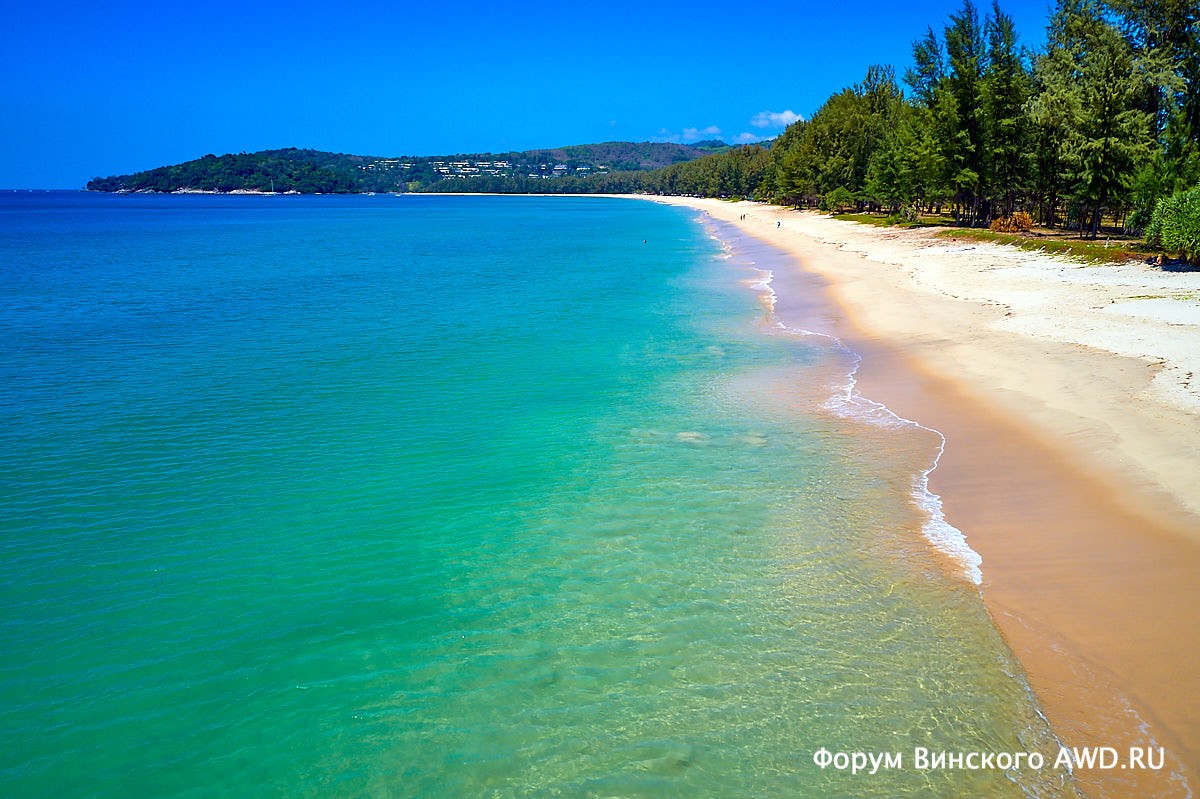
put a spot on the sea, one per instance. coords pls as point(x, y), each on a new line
point(465, 496)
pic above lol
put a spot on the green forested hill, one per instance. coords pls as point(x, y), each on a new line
point(311, 171)
point(305, 171)
point(620, 156)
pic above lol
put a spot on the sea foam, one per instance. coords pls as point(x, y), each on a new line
point(849, 403)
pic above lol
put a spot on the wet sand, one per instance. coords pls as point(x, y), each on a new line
point(1091, 557)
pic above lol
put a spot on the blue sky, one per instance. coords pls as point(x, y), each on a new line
point(93, 89)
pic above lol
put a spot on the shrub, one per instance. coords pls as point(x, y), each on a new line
point(1175, 225)
point(838, 199)
point(1019, 222)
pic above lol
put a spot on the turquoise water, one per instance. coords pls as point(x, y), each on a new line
point(455, 497)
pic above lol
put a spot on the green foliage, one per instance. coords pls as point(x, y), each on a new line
point(839, 199)
point(1165, 37)
point(906, 167)
point(834, 149)
point(305, 171)
point(1053, 111)
point(741, 171)
point(1003, 95)
point(1108, 135)
point(1175, 226)
point(960, 96)
point(614, 156)
point(610, 166)
point(928, 69)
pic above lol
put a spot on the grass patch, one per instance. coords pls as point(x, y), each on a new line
point(1182, 297)
point(1091, 250)
point(864, 219)
point(879, 220)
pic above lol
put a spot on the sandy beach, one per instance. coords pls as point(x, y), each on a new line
point(1068, 398)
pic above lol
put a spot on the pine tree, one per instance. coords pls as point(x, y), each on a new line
point(928, 69)
point(960, 116)
point(1005, 91)
point(1165, 38)
point(1108, 136)
point(1054, 112)
point(834, 149)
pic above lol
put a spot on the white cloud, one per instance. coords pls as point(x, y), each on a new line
point(748, 138)
point(696, 134)
point(688, 136)
point(774, 119)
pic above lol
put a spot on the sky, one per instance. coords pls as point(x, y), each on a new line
point(96, 89)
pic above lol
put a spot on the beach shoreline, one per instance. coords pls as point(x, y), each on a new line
point(1065, 394)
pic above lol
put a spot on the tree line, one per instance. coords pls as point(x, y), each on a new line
point(303, 171)
point(1101, 124)
point(312, 171)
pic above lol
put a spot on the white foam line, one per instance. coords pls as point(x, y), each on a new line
point(763, 284)
point(850, 403)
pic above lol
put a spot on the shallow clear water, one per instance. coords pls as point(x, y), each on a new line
point(454, 496)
